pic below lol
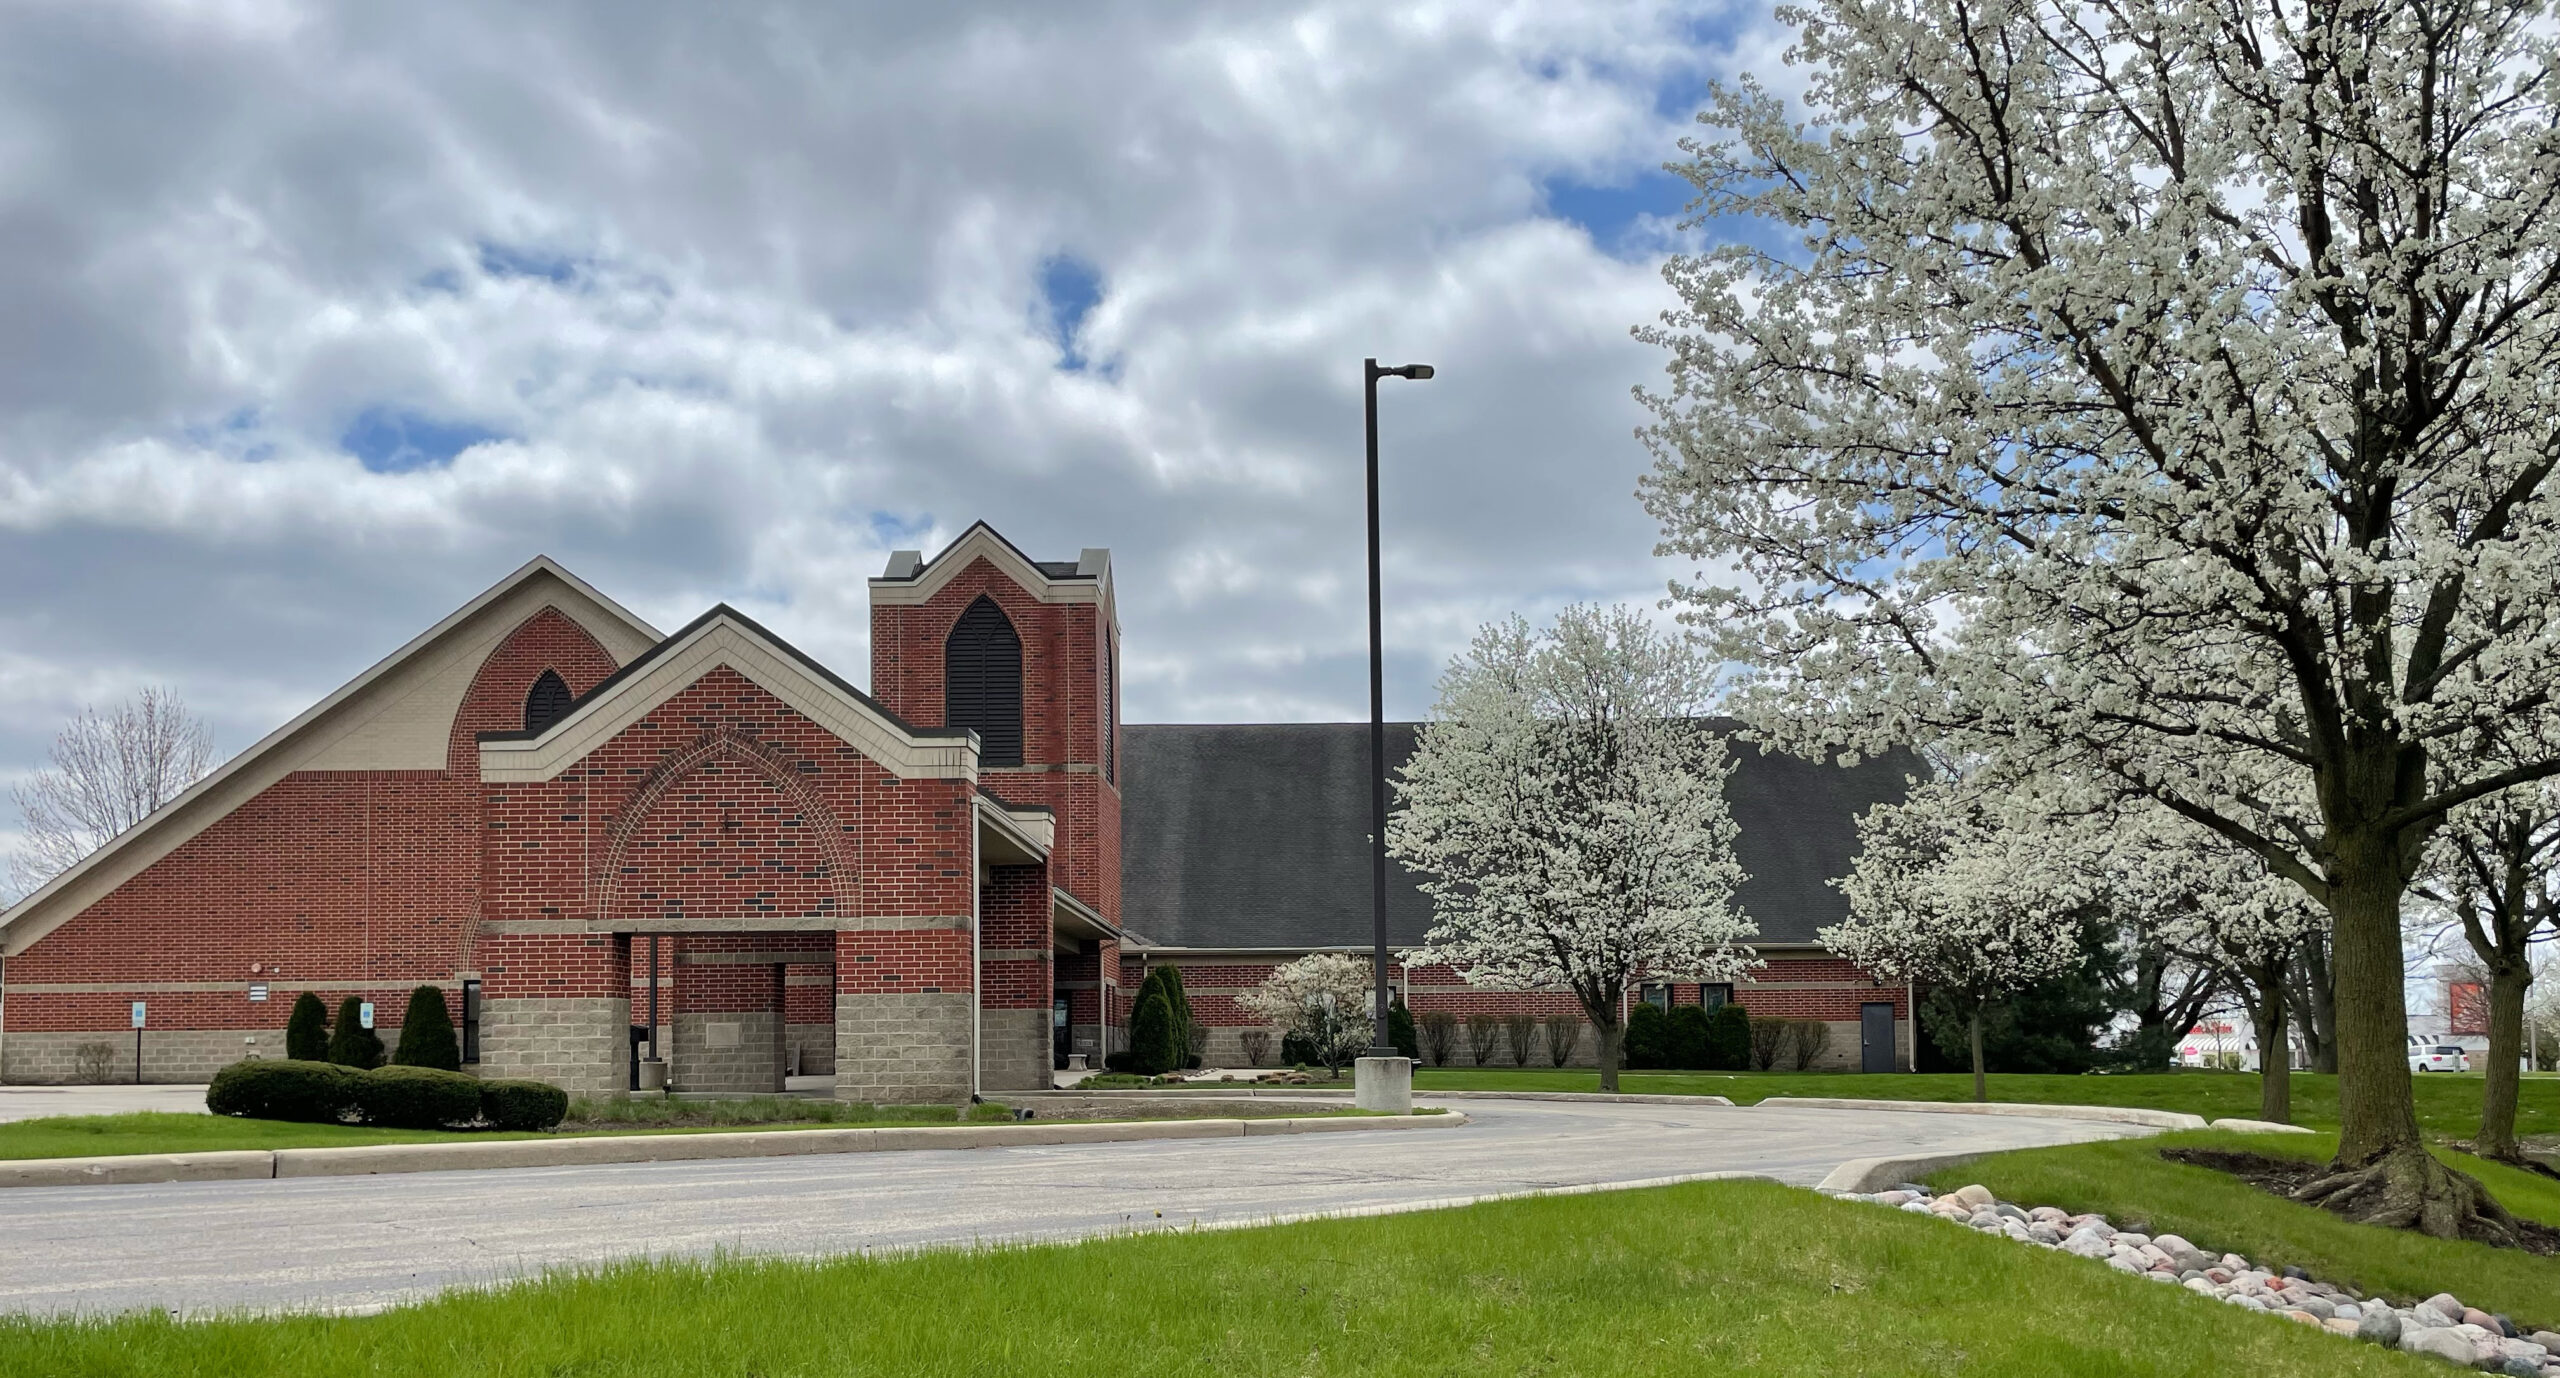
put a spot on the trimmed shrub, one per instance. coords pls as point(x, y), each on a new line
point(283, 1089)
point(1190, 1038)
point(1484, 1037)
point(1813, 1038)
point(1770, 1039)
point(1257, 1045)
point(1117, 1062)
point(1298, 1050)
point(1564, 1034)
point(351, 1044)
point(306, 1032)
point(418, 1098)
point(1439, 1035)
point(1648, 1037)
point(1729, 1039)
point(426, 1033)
point(1685, 1039)
point(1152, 1051)
point(1400, 1030)
point(522, 1104)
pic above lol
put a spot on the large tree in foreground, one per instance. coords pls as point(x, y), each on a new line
point(107, 771)
point(1566, 810)
point(2160, 392)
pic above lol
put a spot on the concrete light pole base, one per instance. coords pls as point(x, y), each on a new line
point(1384, 1083)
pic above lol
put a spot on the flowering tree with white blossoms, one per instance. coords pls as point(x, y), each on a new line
point(2159, 392)
point(1323, 998)
point(1942, 895)
point(1566, 809)
point(2491, 868)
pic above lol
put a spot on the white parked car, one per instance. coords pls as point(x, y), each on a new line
point(2439, 1057)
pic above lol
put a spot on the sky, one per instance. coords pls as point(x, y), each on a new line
point(317, 320)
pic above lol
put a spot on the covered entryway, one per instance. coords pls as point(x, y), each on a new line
point(720, 1010)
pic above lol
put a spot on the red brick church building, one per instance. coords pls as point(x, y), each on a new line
point(569, 820)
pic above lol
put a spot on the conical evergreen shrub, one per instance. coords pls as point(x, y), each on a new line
point(426, 1033)
point(1400, 1030)
point(1151, 1045)
point(306, 1031)
point(351, 1044)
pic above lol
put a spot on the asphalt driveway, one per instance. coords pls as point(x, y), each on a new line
point(356, 1243)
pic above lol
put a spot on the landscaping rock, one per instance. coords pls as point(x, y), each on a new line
point(2338, 1327)
point(1892, 1198)
point(2123, 1265)
point(2132, 1240)
point(1917, 1207)
point(2317, 1306)
point(2043, 1233)
point(2472, 1315)
point(2380, 1325)
point(2442, 1344)
point(2521, 1367)
point(2444, 1304)
point(2086, 1245)
point(2051, 1215)
point(1984, 1220)
point(1977, 1196)
point(2546, 1339)
point(2303, 1316)
point(2295, 1272)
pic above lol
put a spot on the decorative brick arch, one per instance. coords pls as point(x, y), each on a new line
point(548, 640)
point(818, 821)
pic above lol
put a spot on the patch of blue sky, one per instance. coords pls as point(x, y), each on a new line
point(518, 261)
point(239, 434)
point(1628, 216)
point(899, 531)
point(1070, 288)
point(395, 440)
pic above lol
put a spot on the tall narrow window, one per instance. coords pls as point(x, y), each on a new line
point(982, 682)
point(548, 702)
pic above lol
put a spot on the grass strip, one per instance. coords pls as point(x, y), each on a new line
point(2448, 1106)
point(1739, 1277)
point(2135, 1188)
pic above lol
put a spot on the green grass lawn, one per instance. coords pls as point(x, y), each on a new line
point(2135, 1188)
point(2448, 1106)
point(1709, 1278)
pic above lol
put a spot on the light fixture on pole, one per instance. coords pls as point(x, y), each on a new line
point(1380, 1043)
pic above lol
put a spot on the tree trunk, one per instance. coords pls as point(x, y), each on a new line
point(2383, 1174)
point(2316, 1002)
point(2275, 1050)
point(1612, 1036)
point(1981, 1092)
point(2507, 986)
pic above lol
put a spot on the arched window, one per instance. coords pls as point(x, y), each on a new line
point(982, 682)
point(547, 703)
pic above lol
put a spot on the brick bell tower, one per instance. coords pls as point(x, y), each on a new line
point(1027, 653)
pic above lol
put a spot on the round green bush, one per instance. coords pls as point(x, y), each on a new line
point(417, 1098)
point(351, 1044)
point(283, 1089)
point(522, 1104)
point(1648, 1038)
point(1729, 1039)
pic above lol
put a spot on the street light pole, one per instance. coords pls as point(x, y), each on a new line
point(1381, 1043)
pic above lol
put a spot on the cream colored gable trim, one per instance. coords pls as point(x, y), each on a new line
point(1033, 830)
point(980, 542)
point(716, 643)
point(313, 734)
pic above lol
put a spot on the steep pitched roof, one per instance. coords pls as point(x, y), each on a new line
point(910, 578)
point(310, 735)
point(1256, 836)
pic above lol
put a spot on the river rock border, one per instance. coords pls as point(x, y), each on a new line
point(2440, 1326)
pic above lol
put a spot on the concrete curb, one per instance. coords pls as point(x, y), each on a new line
point(2114, 1114)
point(372, 1159)
point(2261, 1127)
point(1324, 1097)
point(1882, 1174)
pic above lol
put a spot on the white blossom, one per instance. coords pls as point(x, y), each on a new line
point(1323, 998)
point(2158, 393)
point(1566, 809)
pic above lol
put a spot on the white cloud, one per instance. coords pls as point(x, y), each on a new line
point(712, 303)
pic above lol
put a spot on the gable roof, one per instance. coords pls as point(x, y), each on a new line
point(911, 579)
point(312, 734)
point(726, 636)
point(1249, 837)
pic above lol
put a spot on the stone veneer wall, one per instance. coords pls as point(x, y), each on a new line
point(734, 1050)
point(816, 1045)
point(1018, 1055)
point(182, 1056)
point(906, 1048)
point(581, 1045)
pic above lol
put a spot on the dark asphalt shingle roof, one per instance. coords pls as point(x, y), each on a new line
point(1256, 835)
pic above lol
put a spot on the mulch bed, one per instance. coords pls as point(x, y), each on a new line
point(2285, 1176)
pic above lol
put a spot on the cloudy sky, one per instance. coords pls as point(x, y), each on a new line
point(315, 320)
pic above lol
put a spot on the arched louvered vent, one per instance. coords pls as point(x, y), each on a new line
point(1110, 708)
point(548, 702)
point(982, 682)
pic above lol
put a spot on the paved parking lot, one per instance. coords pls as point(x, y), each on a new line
point(360, 1242)
point(36, 1102)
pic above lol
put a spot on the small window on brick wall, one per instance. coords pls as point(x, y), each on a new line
point(547, 703)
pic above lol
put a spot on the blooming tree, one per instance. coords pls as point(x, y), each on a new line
point(2160, 392)
point(1942, 895)
point(1566, 810)
point(1322, 998)
point(2491, 867)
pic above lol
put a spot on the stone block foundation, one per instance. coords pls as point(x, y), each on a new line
point(581, 1045)
point(1018, 1055)
point(727, 1051)
point(903, 1049)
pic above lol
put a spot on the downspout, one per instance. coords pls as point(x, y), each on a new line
point(977, 980)
point(4, 1016)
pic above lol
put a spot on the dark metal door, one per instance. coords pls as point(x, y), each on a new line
point(1875, 1038)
